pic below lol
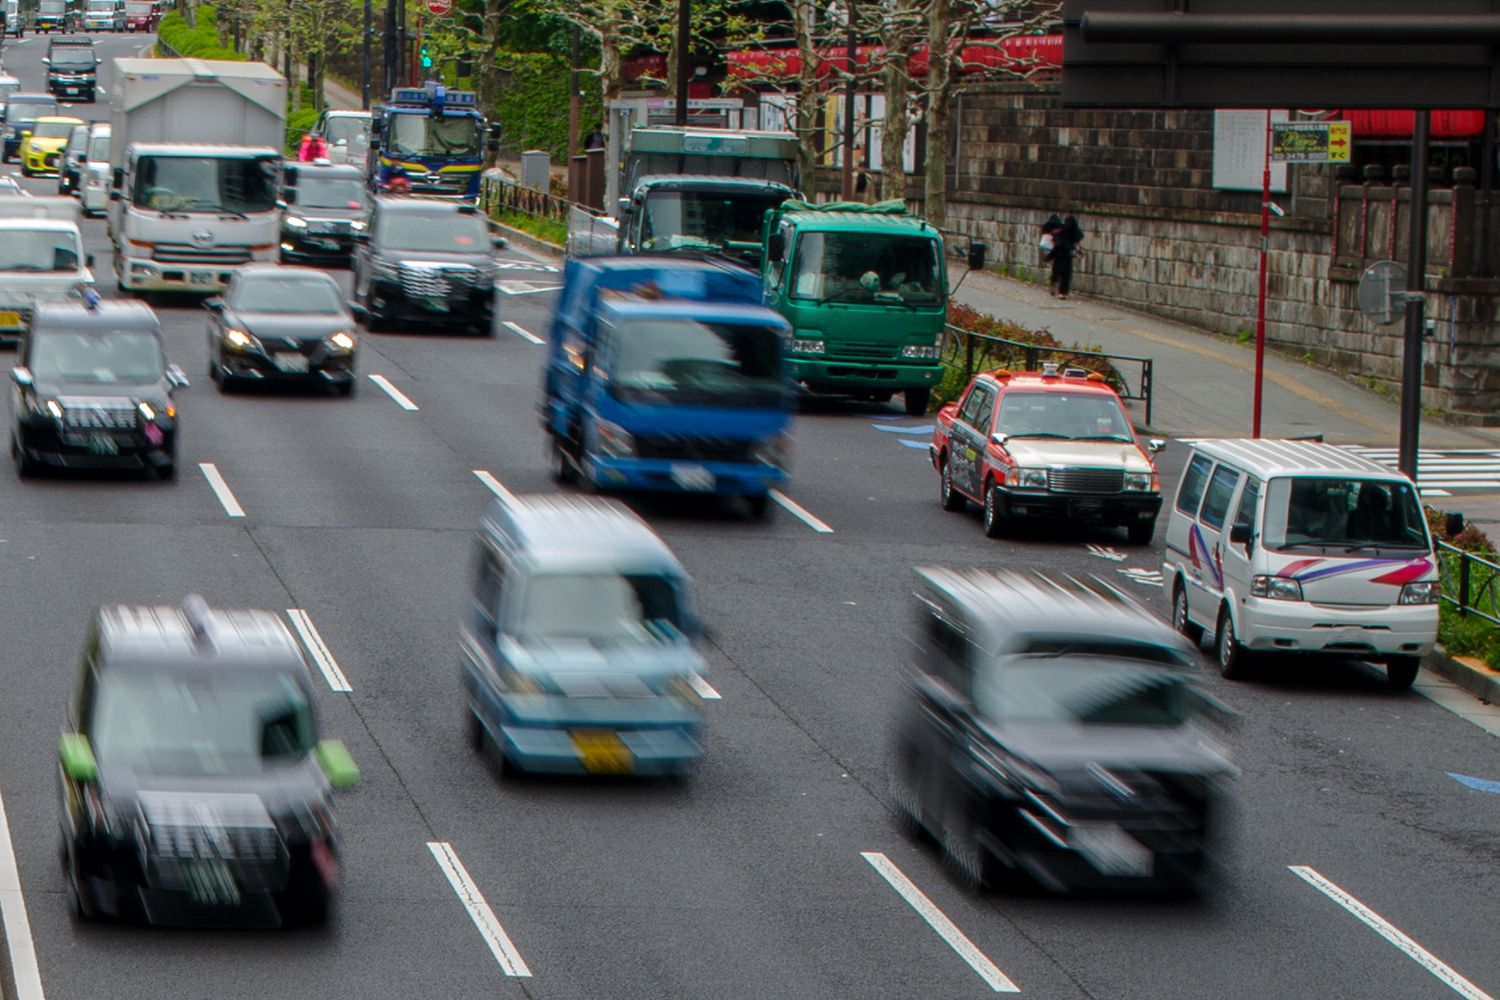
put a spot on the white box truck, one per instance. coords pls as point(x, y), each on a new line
point(41, 258)
point(195, 153)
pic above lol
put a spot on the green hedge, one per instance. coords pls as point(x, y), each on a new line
point(532, 106)
point(198, 42)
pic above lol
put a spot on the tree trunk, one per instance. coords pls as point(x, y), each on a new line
point(488, 82)
point(939, 90)
point(610, 42)
point(893, 130)
point(807, 98)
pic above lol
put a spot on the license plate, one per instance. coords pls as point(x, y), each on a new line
point(210, 882)
point(102, 444)
point(201, 278)
point(291, 362)
point(10, 321)
point(603, 752)
point(1111, 850)
point(693, 477)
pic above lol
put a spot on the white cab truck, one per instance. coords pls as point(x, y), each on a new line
point(41, 258)
point(195, 156)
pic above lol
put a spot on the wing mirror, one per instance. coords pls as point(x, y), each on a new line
point(359, 312)
point(1239, 534)
point(976, 255)
point(21, 375)
point(214, 304)
point(336, 762)
point(624, 207)
point(776, 246)
point(46, 61)
point(88, 260)
point(999, 438)
point(1156, 445)
point(498, 242)
point(77, 757)
point(177, 376)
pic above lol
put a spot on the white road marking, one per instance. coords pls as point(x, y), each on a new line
point(393, 392)
point(800, 513)
point(221, 489)
point(938, 921)
point(319, 650)
point(518, 328)
point(522, 265)
point(479, 911)
point(705, 690)
point(525, 288)
point(496, 486)
point(1145, 577)
point(23, 964)
point(1104, 552)
point(1387, 930)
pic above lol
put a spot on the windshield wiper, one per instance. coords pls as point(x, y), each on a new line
point(1101, 437)
point(1377, 546)
point(232, 214)
point(1042, 434)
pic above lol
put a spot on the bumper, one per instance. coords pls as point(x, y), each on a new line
point(1304, 627)
point(138, 274)
point(316, 246)
point(81, 89)
point(41, 162)
point(646, 752)
point(335, 369)
point(854, 375)
point(97, 449)
point(391, 303)
point(664, 475)
point(1110, 508)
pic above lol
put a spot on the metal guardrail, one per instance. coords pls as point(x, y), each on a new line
point(497, 193)
point(1460, 586)
point(165, 51)
point(1132, 382)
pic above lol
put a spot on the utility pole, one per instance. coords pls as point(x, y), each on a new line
point(401, 44)
point(1260, 299)
point(851, 88)
point(1416, 281)
point(364, 79)
point(684, 64)
point(390, 45)
point(573, 102)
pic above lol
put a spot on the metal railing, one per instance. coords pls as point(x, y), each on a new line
point(1132, 382)
point(165, 51)
point(498, 193)
point(1468, 582)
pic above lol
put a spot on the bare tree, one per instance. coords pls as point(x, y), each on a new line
point(899, 24)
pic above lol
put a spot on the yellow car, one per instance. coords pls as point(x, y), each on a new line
point(42, 147)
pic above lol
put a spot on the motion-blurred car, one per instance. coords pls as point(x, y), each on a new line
point(281, 323)
point(326, 207)
point(21, 113)
point(347, 135)
point(194, 789)
point(1031, 446)
point(70, 166)
point(94, 191)
point(10, 187)
point(577, 645)
point(41, 149)
point(1050, 737)
point(93, 390)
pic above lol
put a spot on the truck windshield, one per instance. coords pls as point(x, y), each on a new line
point(1076, 416)
point(601, 607)
point(451, 232)
point(38, 250)
point(421, 135)
point(205, 184)
point(102, 6)
point(330, 192)
point(689, 363)
point(867, 267)
point(344, 128)
point(53, 7)
point(130, 356)
point(707, 218)
point(72, 57)
point(138, 7)
point(1345, 514)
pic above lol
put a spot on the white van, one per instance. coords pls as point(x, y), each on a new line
point(1299, 547)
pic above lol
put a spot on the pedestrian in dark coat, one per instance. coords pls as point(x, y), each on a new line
point(1064, 248)
point(1050, 229)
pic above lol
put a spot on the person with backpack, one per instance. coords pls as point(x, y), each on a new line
point(1065, 241)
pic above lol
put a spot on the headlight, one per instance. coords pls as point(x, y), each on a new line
point(294, 222)
point(359, 226)
point(147, 410)
point(1142, 482)
point(775, 450)
point(342, 341)
point(807, 347)
point(48, 407)
point(1421, 593)
point(915, 351)
point(239, 338)
point(1276, 588)
point(613, 440)
point(1027, 479)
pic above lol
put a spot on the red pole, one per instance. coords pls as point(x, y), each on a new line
point(1260, 306)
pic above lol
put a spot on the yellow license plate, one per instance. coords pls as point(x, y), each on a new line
point(603, 752)
point(10, 321)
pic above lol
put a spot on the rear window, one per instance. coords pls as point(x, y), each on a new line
point(1193, 480)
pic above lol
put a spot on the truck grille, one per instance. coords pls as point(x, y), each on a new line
point(441, 184)
point(112, 418)
point(183, 253)
point(698, 449)
point(861, 349)
point(177, 831)
point(1085, 480)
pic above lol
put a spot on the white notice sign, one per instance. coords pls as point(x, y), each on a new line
point(1240, 151)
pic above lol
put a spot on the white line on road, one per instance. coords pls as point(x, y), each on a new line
point(479, 911)
point(496, 486)
point(525, 288)
point(518, 328)
point(318, 649)
point(23, 964)
point(799, 512)
point(705, 690)
point(938, 921)
point(221, 489)
point(1387, 930)
point(393, 392)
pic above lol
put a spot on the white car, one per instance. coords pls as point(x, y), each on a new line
point(94, 189)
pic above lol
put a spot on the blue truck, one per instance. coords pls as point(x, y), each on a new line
point(432, 136)
point(667, 375)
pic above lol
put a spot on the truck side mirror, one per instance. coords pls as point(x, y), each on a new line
point(119, 177)
point(88, 260)
point(976, 255)
point(624, 208)
point(775, 246)
point(21, 375)
point(1239, 534)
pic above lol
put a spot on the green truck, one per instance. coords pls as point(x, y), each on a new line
point(866, 292)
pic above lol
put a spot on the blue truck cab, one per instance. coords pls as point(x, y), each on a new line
point(433, 136)
point(668, 375)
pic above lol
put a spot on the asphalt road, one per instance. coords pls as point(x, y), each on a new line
point(748, 883)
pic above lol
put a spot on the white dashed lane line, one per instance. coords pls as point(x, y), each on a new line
point(495, 486)
point(519, 329)
point(479, 911)
point(221, 489)
point(393, 392)
point(800, 513)
point(318, 650)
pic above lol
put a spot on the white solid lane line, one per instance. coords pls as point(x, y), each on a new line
point(799, 512)
point(518, 328)
point(479, 911)
point(938, 921)
point(495, 486)
point(705, 690)
point(393, 392)
point(221, 489)
point(1387, 930)
point(318, 650)
point(23, 965)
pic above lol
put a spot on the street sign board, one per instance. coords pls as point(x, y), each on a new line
point(1310, 142)
point(440, 8)
point(1382, 295)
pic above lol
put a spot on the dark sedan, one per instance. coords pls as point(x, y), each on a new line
point(21, 113)
point(327, 206)
point(1051, 737)
point(281, 324)
point(426, 261)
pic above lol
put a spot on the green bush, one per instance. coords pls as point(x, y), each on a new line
point(1466, 635)
point(532, 106)
point(989, 356)
point(546, 230)
point(198, 42)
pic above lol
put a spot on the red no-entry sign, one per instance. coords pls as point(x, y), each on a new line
point(439, 8)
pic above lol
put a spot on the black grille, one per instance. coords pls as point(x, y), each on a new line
point(1085, 480)
point(101, 417)
point(697, 449)
point(256, 855)
point(859, 349)
point(182, 253)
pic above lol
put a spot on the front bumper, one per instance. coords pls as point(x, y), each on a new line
point(65, 448)
point(647, 752)
point(1336, 630)
point(144, 275)
point(390, 302)
point(42, 161)
point(322, 366)
point(744, 479)
point(303, 245)
point(834, 375)
point(1103, 508)
point(63, 89)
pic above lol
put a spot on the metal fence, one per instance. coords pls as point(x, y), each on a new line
point(165, 51)
point(1468, 582)
point(1130, 376)
point(496, 192)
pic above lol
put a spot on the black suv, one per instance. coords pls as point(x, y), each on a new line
point(327, 205)
point(193, 787)
point(72, 69)
point(94, 390)
point(426, 260)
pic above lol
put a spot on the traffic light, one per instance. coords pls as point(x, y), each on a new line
point(426, 58)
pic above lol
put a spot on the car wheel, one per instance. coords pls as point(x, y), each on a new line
point(306, 900)
point(475, 730)
point(951, 499)
point(24, 465)
point(760, 507)
point(916, 402)
point(1401, 671)
point(1234, 659)
point(168, 471)
point(1140, 533)
point(962, 855)
point(25, 170)
point(994, 521)
point(563, 471)
point(347, 388)
point(1190, 630)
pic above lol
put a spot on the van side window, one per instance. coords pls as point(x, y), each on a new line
point(1244, 517)
point(1191, 490)
point(948, 656)
point(1216, 499)
point(488, 583)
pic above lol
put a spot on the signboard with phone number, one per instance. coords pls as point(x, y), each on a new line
point(1310, 142)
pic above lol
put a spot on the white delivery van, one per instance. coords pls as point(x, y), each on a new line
point(1300, 547)
point(94, 187)
point(41, 258)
